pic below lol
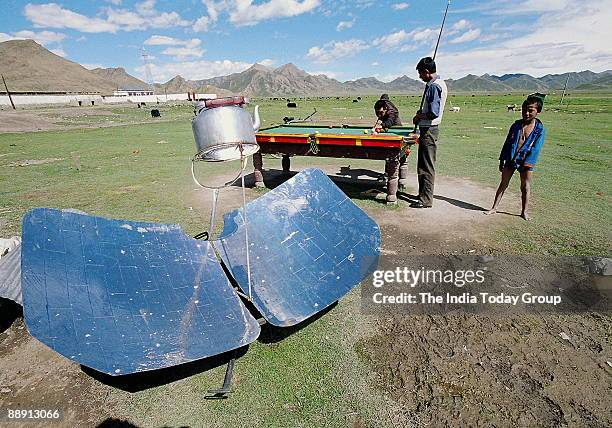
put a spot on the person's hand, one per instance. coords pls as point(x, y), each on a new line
point(418, 117)
point(501, 166)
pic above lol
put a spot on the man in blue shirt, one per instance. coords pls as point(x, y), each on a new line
point(428, 119)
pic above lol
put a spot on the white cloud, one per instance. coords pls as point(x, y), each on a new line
point(244, 12)
point(374, 64)
point(343, 25)
point(157, 40)
point(145, 17)
point(51, 15)
point(468, 36)
point(202, 24)
point(400, 6)
point(213, 7)
point(267, 62)
point(529, 7)
point(330, 74)
point(401, 41)
point(424, 35)
point(575, 37)
point(194, 70)
point(41, 37)
point(182, 49)
point(59, 52)
point(183, 53)
point(115, 2)
point(92, 66)
point(462, 24)
point(391, 41)
point(335, 50)
point(386, 77)
point(146, 7)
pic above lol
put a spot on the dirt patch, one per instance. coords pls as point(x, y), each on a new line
point(49, 118)
point(23, 121)
point(33, 376)
point(495, 371)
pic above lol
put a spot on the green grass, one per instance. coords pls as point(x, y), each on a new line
point(100, 173)
point(315, 376)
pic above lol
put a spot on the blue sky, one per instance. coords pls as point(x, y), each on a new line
point(342, 39)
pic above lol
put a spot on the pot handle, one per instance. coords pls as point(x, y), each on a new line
point(223, 102)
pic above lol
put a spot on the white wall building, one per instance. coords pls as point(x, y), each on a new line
point(94, 99)
point(132, 92)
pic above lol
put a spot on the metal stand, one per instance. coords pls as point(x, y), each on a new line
point(227, 380)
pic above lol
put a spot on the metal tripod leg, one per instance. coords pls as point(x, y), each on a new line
point(227, 380)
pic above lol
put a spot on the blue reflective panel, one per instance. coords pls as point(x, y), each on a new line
point(122, 296)
point(309, 246)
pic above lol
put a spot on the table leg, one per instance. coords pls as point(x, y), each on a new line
point(403, 171)
point(286, 162)
point(392, 170)
point(258, 170)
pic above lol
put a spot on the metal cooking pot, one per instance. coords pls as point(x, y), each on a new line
point(223, 129)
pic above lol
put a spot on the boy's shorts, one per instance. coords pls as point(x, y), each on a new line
point(513, 165)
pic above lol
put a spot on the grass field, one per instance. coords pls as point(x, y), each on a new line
point(141, 171)
point(314, 377)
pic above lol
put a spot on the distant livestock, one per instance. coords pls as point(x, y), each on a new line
point(511, 107)
point(291, 105)
point(456, 109)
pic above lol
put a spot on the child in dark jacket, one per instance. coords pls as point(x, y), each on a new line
point(520, 152)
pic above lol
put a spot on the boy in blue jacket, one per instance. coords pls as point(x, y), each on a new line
point(520, 152)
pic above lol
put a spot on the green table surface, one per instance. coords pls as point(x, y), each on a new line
point(351, 130)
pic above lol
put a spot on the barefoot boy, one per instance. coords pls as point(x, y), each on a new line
point(520, 152)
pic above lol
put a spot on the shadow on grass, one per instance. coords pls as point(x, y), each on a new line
point(116, 423)
point(144, 380)
point(363, 189)
point(272, 334)
point(9, 312)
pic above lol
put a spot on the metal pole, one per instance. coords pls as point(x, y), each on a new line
point(564, 88)
point(8, 93)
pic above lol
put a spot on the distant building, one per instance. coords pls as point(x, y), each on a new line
point(132, 92)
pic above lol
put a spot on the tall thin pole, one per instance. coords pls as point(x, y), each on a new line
point(564, 88)
point(441, 27)
point(8, 92)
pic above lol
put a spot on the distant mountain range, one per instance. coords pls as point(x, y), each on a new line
point(27, 66)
